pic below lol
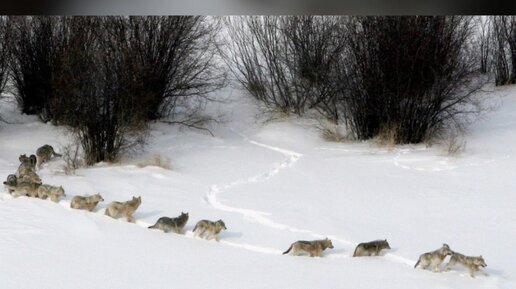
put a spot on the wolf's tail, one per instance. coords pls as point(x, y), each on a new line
point(153, 226)
point(195, 228)
point(290, 248)
point(56, 154)
point(419, 260)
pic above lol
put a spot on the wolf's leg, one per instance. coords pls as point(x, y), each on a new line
point(129, 217)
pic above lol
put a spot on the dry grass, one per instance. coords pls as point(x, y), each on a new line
point(73, 158)
point(156, 160)
point(387, 137)
point(454, 146)
point(331, 132)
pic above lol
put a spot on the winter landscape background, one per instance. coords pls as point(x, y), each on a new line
point(352, 128)
point(272, 183)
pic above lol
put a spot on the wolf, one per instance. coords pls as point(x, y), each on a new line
point(29, 176)
point(208, 230)
point(86, 203)
point(470, 262)
point(126, 208)
point(28, 189)
point(434, 258)
point(11, 183)
point(372, 248)
point(314, 248)
point(171, 224)
point(45, 191)
point(44, 154)
point(26, 163)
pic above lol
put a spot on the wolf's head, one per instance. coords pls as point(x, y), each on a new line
point(220, 224)
point(60, 191)
point(24, 159)
point(136, 201)
point(385, 244)
point(98, 198)
point(445, 250)
point(479, 261)
point(328, 243)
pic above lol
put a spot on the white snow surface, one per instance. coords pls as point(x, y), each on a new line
point(272, 183)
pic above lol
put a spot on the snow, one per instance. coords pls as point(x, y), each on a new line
point(272, 183)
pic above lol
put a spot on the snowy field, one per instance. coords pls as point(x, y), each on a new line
point(272, 183)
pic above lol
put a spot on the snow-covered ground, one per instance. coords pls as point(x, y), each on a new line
point(272, 183)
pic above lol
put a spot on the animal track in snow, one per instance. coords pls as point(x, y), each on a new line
point(263, 218)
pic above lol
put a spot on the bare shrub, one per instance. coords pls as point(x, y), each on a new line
point(407, 77)
point(287, 62)
point(157, 160)
point(171, 60)
point(34, 45)
point(96, 104)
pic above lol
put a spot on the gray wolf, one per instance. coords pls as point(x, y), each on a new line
point(171, 224)
point(314, 248)
point(29, 189)
point(26, 163)
point(472, 263)
point(434, 258)
point(29, 176)
point(372, 248)
point(11, 183)
point(208, 230)
point(45, 191)
point(126, 208)
point(44, 154)
point(86, 203)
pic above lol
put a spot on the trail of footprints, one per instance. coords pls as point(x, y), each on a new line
point(27, 182)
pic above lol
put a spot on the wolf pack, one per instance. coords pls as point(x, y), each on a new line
point(26, 182)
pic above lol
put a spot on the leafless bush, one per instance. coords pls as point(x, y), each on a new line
point(34, 46)
point(408, 76)
point(171, 60)
point(287, 62)
point(96, 104)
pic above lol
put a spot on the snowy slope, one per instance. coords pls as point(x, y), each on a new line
point(272, 183)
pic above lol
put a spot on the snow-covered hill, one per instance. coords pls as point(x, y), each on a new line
point(272, 183)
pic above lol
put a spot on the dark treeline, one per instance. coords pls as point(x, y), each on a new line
point(404, 78)
point(503, 38)
point(107, 77)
